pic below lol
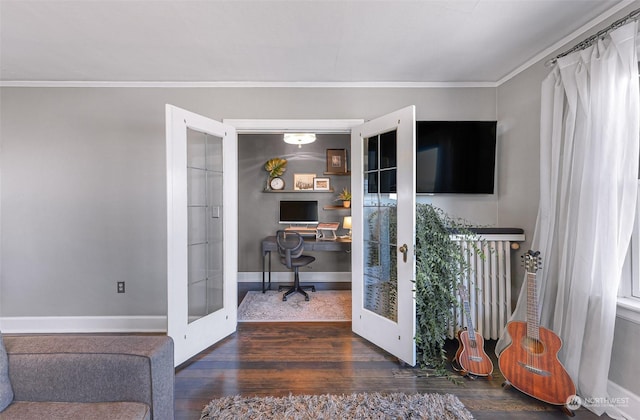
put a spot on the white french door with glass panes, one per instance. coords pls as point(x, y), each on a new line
point(201, 231)
point(383, 247)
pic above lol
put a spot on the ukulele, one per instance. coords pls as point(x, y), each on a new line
point(530, 363)
point(471, 355)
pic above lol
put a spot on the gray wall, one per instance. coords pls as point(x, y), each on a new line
point(519, 116)
point(83, 202)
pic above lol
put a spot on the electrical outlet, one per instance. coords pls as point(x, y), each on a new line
point(120, 287)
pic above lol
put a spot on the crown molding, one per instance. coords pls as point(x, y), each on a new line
point(254, 84)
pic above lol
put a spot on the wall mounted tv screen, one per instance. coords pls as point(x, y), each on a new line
point(298, 212)
point(455, 157)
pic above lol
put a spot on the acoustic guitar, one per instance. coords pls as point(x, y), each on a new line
point(530, 363)
point(471, 355)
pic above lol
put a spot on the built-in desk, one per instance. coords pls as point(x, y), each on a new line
point(310, 244)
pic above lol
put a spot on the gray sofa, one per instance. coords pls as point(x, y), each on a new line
point(90, 377)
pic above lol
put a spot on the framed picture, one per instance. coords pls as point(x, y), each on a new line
point(322, 184)
point(303, 182)
point(336, 161)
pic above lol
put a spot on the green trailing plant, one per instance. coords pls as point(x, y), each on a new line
point(440, 263)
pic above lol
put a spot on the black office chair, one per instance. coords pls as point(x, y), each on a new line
point(290, 247)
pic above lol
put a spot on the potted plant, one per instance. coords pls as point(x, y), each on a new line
point(440, 262)
point(345, 197)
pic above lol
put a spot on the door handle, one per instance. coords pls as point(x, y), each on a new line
point(404, 250)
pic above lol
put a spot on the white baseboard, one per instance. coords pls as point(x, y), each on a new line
point(134, 324)
point(629, 410)
point(83, 324)
point(287, 277)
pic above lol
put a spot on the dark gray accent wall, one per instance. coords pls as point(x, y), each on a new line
point(258, 210)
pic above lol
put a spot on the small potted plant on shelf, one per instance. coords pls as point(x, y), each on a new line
point(345, 197)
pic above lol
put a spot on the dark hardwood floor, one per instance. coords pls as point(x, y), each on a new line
point(317, 358)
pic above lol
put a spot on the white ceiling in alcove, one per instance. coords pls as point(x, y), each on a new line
point(287, 42)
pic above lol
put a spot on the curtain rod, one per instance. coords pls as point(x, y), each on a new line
point(635, 15)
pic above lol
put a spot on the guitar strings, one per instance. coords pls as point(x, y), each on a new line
point(533, 332)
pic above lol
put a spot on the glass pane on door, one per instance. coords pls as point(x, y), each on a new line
point(204, 211)
point(380, 226)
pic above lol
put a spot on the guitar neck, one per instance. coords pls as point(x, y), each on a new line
point(533, 328)
point(467, 312)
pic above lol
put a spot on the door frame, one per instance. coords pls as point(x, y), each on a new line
point(266, 126)
point(278, 126)
point(331, 126)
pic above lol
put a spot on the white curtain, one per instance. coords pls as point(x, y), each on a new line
point(589, 141)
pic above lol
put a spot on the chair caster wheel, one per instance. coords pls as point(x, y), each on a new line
point(284, 299)
point(313, 289)
point(307, 298)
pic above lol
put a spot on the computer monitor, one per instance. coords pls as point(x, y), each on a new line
point(298, 212)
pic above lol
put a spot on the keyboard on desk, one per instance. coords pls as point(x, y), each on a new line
point(303, 231)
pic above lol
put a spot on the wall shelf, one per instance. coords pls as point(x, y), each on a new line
point(348, 173)
point(298, 191)
point(336, 208)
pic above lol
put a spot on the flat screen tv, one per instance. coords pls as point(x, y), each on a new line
point(455, 157)
point(299, 212)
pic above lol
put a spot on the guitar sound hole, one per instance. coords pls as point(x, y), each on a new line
point(532, 345)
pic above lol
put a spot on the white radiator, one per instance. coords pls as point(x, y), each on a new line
point(488, 284)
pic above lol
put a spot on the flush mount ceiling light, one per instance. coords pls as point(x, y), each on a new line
point(299, 138)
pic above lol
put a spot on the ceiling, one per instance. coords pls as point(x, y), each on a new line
point(287, 42)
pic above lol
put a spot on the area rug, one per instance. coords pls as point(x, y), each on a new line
point(329, 407)
point(323, 305)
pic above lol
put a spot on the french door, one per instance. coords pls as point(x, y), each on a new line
point(383, 247)
point(201, 231)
